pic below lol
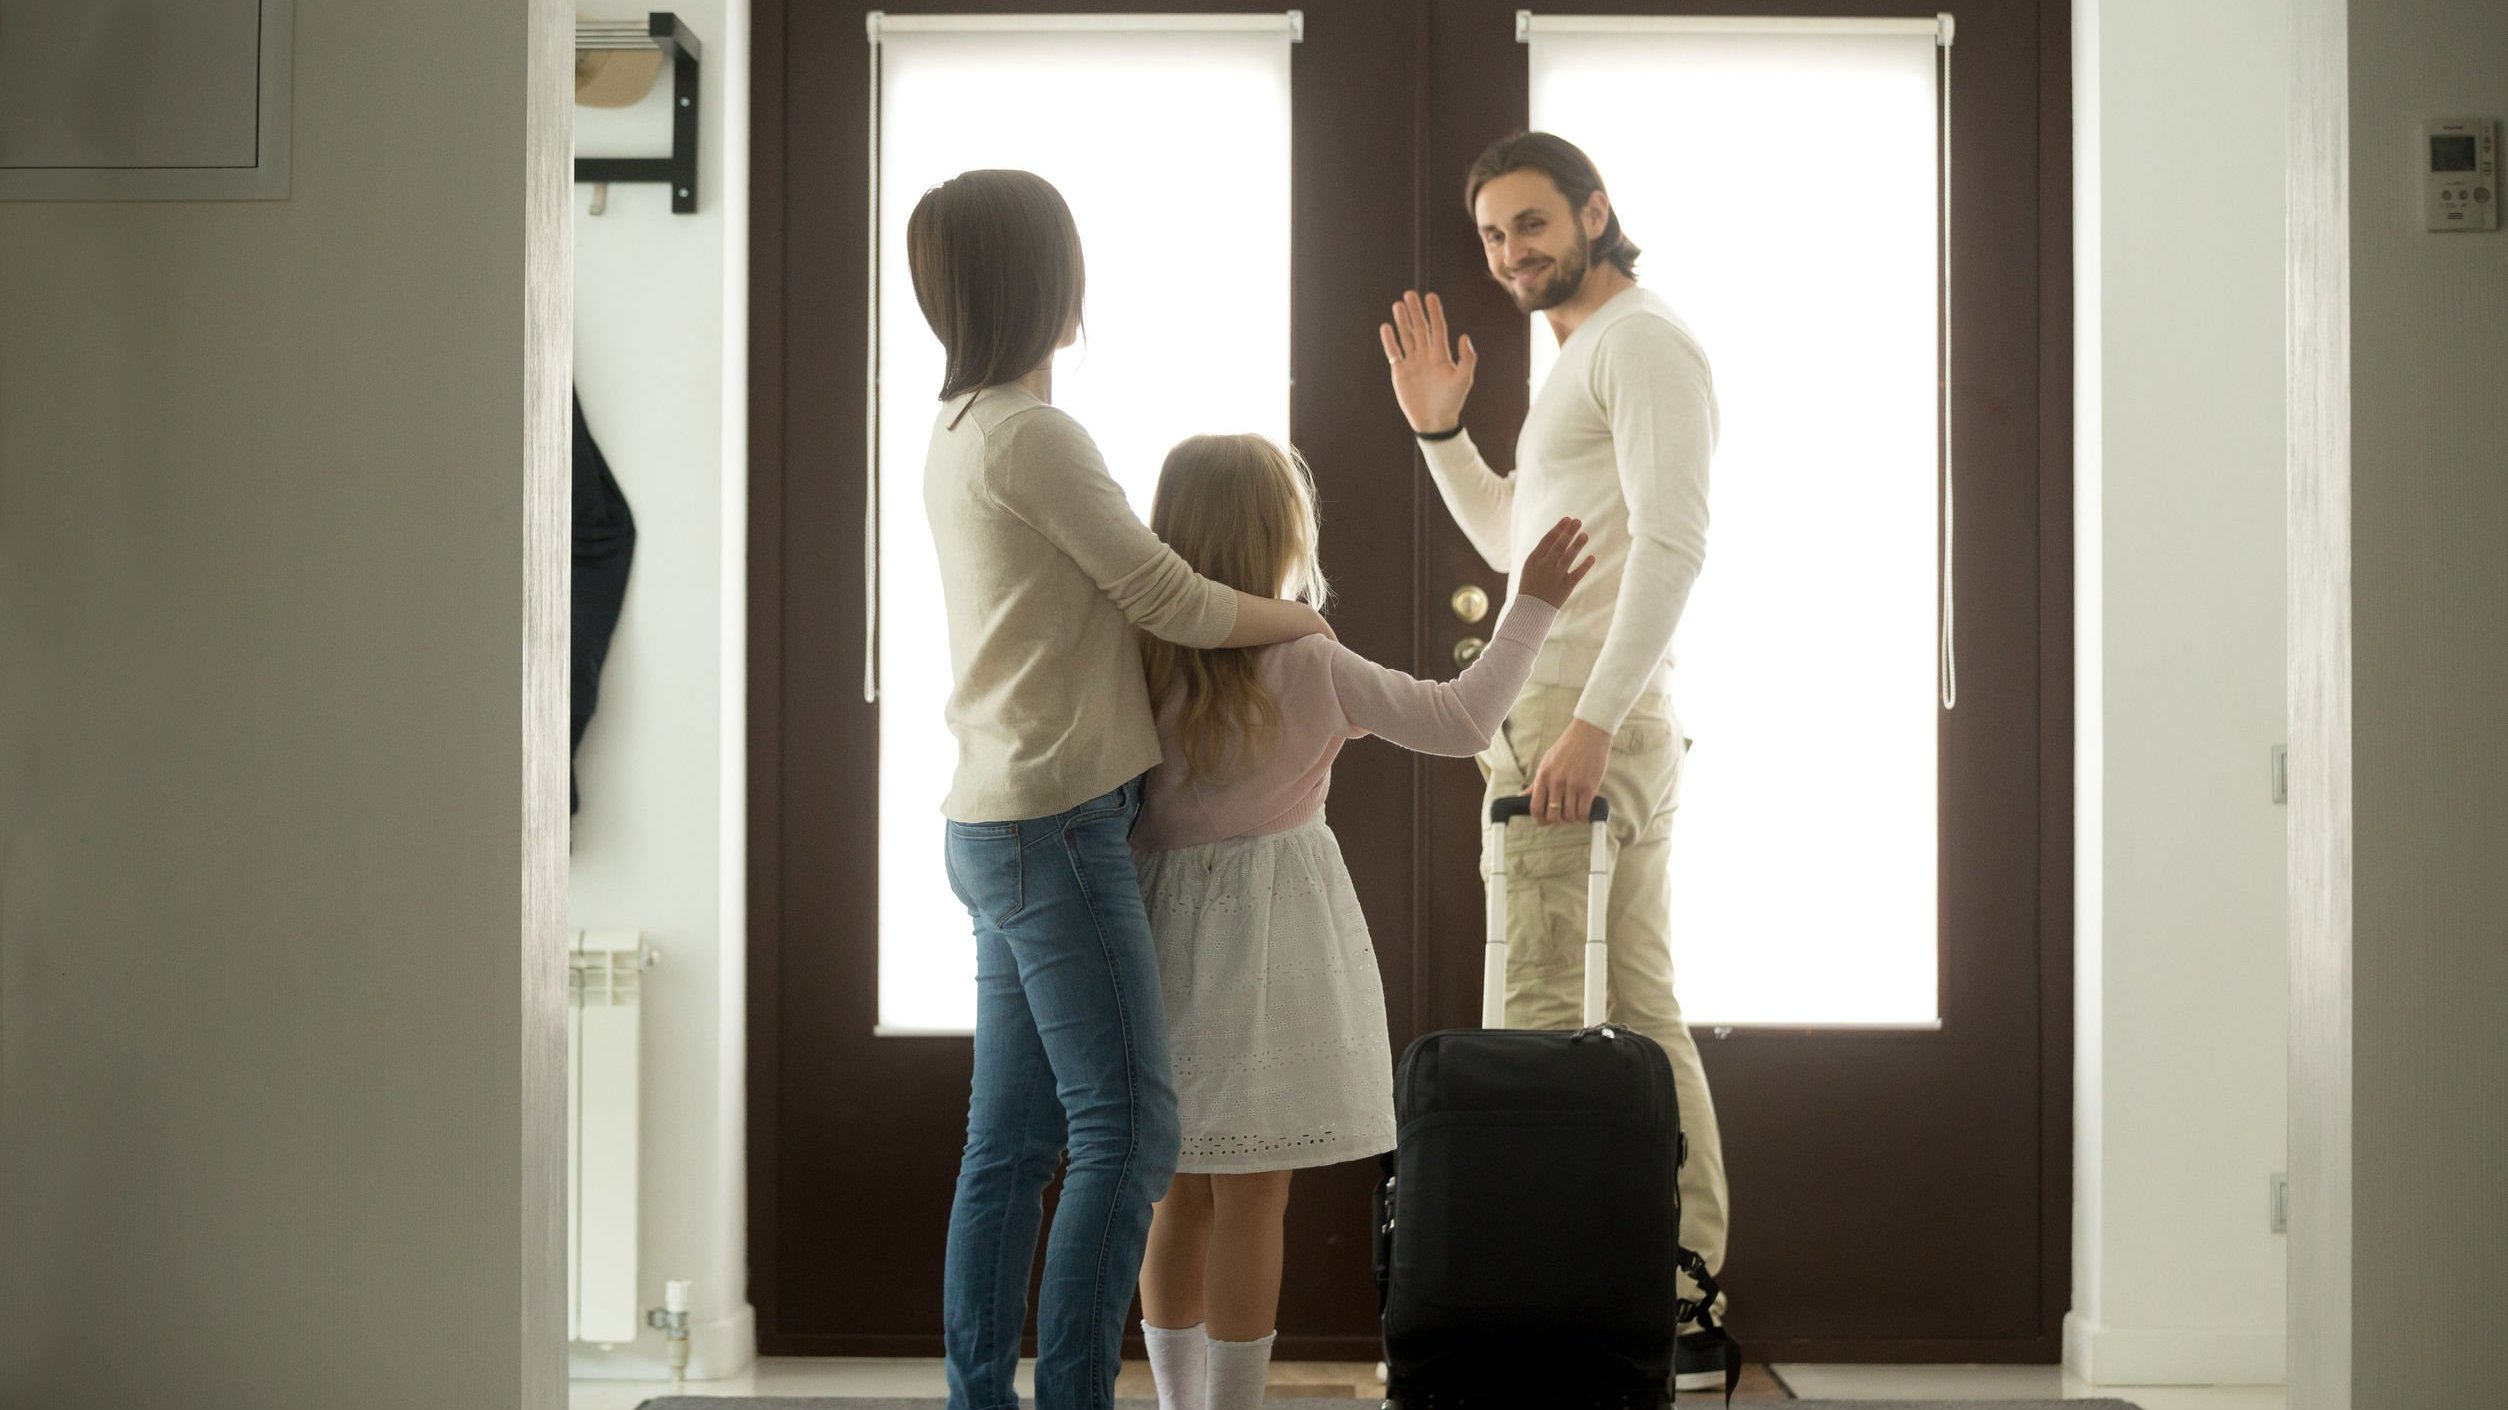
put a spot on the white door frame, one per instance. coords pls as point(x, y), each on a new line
point(2319, 593)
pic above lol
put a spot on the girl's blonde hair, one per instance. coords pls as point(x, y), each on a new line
point(1241, 510)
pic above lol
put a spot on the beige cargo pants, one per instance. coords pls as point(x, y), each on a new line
point(1546, 918)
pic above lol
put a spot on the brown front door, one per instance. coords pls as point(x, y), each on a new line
point(1900, 1196)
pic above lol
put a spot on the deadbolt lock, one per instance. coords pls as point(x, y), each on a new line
point(1471, 602)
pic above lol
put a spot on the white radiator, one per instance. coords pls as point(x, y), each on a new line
point(603, 1035)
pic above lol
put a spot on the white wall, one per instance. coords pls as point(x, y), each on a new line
point(661, 364)
point(281, 727)
point(2429, 579)
point(2179, 503)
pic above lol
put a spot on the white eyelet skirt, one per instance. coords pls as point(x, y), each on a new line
point(1275, 1011)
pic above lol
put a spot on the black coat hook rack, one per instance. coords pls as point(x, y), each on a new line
point(678, 170)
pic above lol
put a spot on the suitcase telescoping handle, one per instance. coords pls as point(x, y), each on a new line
point(1493, 977)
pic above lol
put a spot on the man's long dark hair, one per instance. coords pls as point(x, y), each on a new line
point(1569, 169)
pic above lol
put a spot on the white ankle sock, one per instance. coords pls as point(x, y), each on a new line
point(1238, 1370)
point(1176, 1362)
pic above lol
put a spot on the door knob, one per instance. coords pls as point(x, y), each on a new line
point(1471, 602)
point(1468, 650)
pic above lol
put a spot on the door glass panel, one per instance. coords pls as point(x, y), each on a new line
point(1172, 148)
point(1785, 190)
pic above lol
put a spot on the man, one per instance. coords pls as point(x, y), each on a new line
point(1619, 435)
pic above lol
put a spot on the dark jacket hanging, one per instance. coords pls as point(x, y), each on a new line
point(605, 544)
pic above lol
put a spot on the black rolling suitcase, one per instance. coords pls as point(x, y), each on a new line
point(1528, 1226)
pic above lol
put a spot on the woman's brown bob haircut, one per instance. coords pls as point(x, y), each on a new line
point(1569, 169)
point(995, 259)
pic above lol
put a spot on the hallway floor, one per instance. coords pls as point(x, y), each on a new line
point(866, 1377)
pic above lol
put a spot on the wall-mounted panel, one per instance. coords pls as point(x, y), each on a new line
point(120, 100)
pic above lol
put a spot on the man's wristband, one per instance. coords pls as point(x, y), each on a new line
point(1440, 435)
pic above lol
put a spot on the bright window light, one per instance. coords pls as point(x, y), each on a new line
point(1172, 147)
point(1785, 191)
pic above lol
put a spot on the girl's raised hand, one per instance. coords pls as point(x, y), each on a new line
point(1552, 572)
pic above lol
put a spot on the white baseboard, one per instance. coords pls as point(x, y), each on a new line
point(723, 1347)
point(2132, 1356)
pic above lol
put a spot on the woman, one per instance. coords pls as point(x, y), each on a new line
point(1045, 574)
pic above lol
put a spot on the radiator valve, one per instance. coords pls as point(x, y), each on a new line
point(671, 1319)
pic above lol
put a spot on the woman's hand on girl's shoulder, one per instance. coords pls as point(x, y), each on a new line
point(1552, 571)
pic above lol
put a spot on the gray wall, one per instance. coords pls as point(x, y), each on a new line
point(2429, 481)
point(2400, 666)
point(281, 778)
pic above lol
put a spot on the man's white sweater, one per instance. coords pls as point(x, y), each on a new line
point(1619, 436)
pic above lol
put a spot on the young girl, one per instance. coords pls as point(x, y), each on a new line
point(1275, 1014)
point(1045, 572)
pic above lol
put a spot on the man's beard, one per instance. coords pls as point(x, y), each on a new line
point(1566, 277)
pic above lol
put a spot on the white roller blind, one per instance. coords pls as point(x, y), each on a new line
point(1169, 136)
point(1785, 184)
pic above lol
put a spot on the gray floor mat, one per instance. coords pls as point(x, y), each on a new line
point(701, 1402)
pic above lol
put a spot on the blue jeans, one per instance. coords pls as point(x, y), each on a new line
point(1070, 1051)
